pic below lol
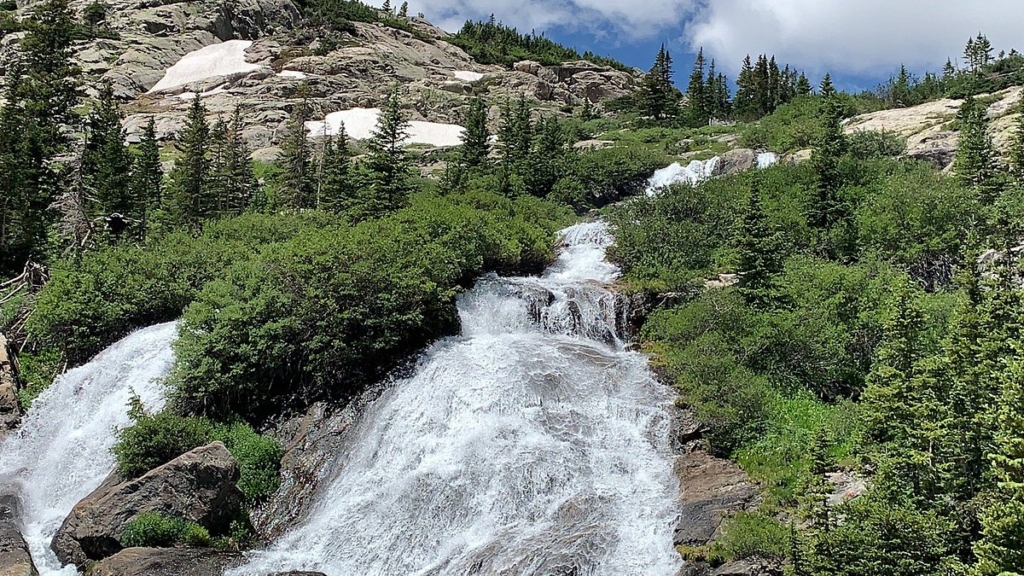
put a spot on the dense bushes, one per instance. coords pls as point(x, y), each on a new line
point(335, 308)
point(155, 530)
point(494, 43)
point(154, 440)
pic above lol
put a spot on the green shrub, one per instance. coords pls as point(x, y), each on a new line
point(259, 460)
point(753, 535)
point(869, 144)
point(156, 530)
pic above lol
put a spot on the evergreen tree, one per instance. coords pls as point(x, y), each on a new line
point(1000, 551)
point(297, 178)
point(697, 98)
point(390, 170)
point(147, 176)
point(975, 156)
point(745, 103)
point(1015, 157)
point(476, 139)
point(515, 136)
point(188, 193)
point(829, 207)
point(403, 12)
point(760, 254)
point(236, 176)
point(338, 187)
point(544, 167)
point(106, 161)
point(803, 85)
point(386, 7)
point(658, 98)
point(948, 71)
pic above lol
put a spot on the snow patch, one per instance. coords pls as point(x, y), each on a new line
point(292, 74)
point(467, 76)
point(192, 95)
point(224, 59)
point(360, 122)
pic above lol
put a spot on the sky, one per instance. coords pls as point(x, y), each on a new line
point(861, 42)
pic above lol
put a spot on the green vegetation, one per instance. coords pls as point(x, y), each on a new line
point(155, 530)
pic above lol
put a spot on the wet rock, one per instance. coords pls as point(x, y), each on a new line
point(15, 559)
point(165, 562)
point(685, 431)
point(711, 489)
point(199, 486)
point(10, 410)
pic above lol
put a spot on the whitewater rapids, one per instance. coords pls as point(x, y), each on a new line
point(61, 453)
point(532, 444)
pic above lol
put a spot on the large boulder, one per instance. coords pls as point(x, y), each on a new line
point(711, 489)
point(199, 486)
point(164, 562)
point(10, 410)
point(736, 161)
point(15, 559)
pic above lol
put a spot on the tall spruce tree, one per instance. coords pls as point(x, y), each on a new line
point(759, 248)
point(829, 207)
point(188, 199)
point(237, 177)
point(696, 97)
point(106, 160)
point(975, 162)
point(1015, 155)
point(515, 138)
point(476, 139)
point(338, 189)
point(147, 176)
point(389, 168)
point(297, 176)
point(658, 97)
point(745, 103)
point(545, 164)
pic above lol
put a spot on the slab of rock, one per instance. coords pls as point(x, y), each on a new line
point(736, 161)
point(710, 489)
point(165, 562)
point(15, 559)
point(10, 410)
point(199, 486)
point(749, 567)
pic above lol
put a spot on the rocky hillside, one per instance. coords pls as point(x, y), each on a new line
point(271, 51)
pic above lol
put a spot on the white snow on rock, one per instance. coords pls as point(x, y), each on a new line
point(292, 74)
point(192, 95)
point(224, 59)
point(360, 122)
point(467, 76)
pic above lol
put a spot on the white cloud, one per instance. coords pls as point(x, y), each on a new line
point(852, 36)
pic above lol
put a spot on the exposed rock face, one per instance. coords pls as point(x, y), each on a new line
point(14, 556)
point(737, 160)
point(928, 127)
point(199, 486)
point(711, 489)
point(312, 443)
point(164, 562)
point(10, 410)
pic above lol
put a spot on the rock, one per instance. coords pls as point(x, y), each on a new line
point(710, 490)
point(736, 161)
point(846, 487)
point(798, 157)
point(527, 66)
point(589, 145)
point(15, 559)
point(10, 410)
point(165, 562)
point(685, 430)
point(749, 567)
point(199, 486)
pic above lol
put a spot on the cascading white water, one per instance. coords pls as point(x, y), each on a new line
point(532, 444)
point(61, 453)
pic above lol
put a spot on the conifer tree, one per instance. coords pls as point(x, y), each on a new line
point(390, 171)
point(338, 187)
point(760, 258)
point(386, 7)
point(975, 156)
point(238, 177)
point(803, 85)
point(1000, 551)
point(403, 12)
point(297, 178)
point(188, 201)
point(147, 176)
point(515, 136)
point(696, 98)
point(218, 187)
point(745, 102)
point(544, 167)
point(476, 139)
point(1015, 156)
point(658, 98)
point(831, 144)
point(106, 162)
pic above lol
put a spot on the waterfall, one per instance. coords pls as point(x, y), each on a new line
point(531, 444)
point(698, 171)
point(61, 453)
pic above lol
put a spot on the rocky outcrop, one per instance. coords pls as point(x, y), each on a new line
point(711, 489)
point(164, 562)
point(312, 443)
point(199, 486)
point(928, 128)
point(736, 161)
point(14, 555)
point(10, 410)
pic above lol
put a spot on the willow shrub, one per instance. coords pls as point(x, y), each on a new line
point(334, 308)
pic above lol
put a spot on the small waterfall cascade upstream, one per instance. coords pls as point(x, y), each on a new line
point(61, 453)
point(532, 444)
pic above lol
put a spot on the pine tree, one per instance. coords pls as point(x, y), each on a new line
point(297, 178)
point(948, 71)
point(147, 176)
point(696, 98)
point(658, 98)
point(760, 257)
point(239, 178)
point(1000, 551)
point(829, 207)
point(403, 12)
point(386, 7)
point(339, 191)
point(476, 140)
point(975, 156)
point(745, 102)
point(106, 161)
point(803, 85)
point(1015, 156)
point(217, 186)
point(515, 137)
point(545, 164)
point(188, 201)
point(390, 171)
